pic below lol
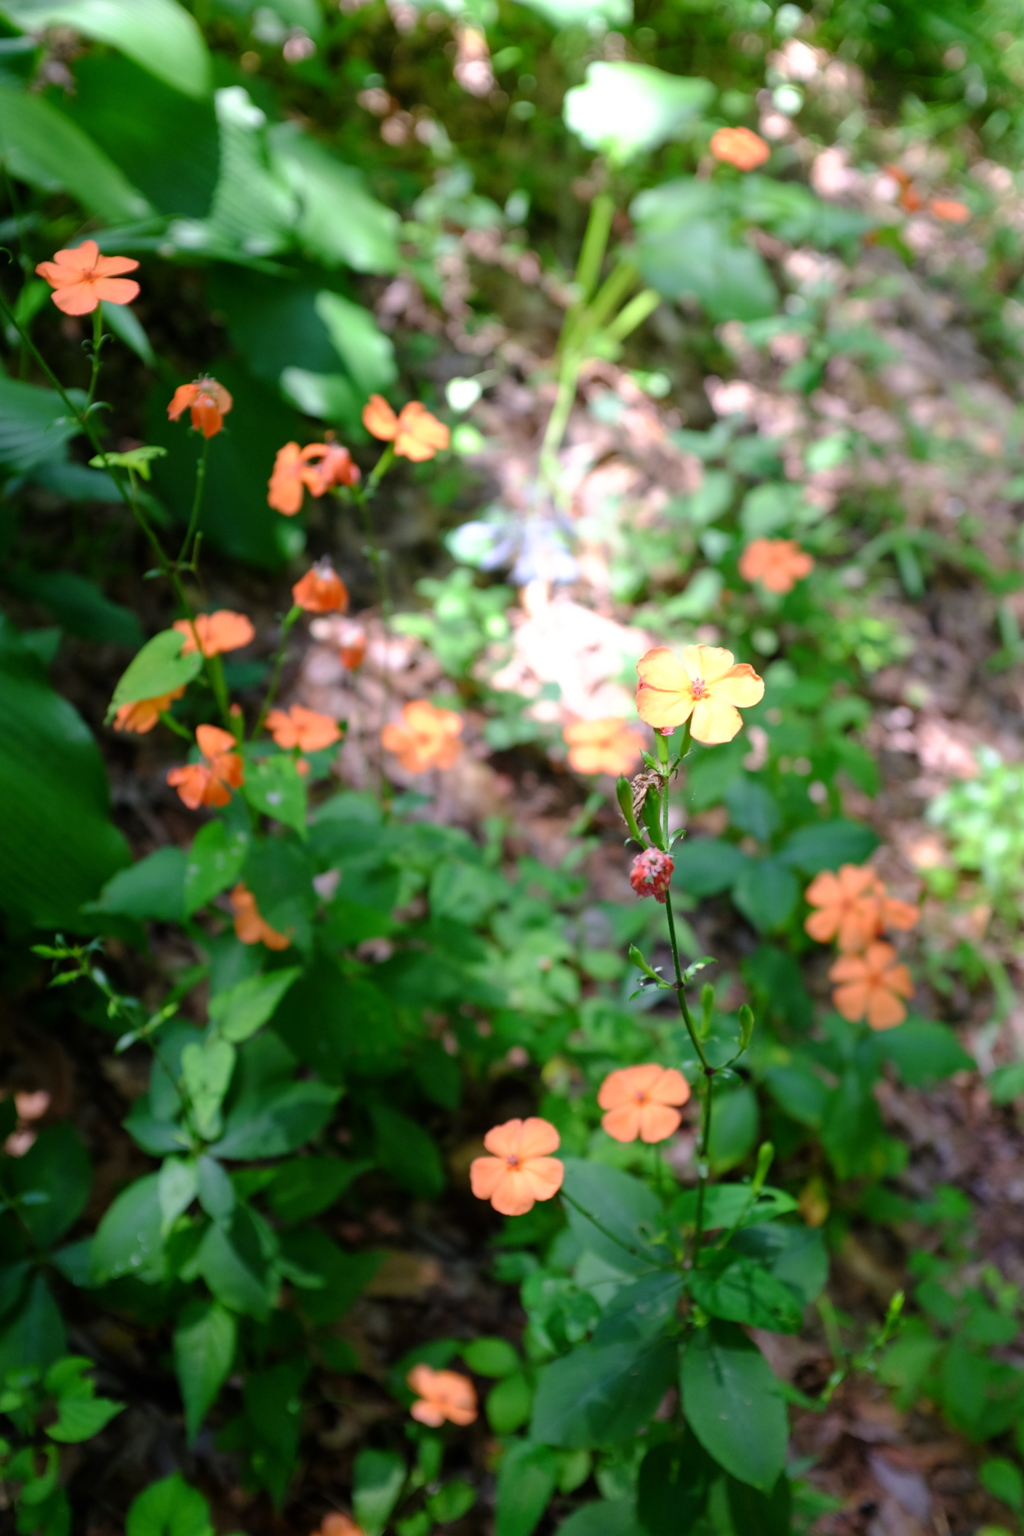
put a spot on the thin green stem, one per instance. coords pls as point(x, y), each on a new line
point(372, 550)
point(275, 678)
point(568, 377)
point(197, 502)
point(97, 353)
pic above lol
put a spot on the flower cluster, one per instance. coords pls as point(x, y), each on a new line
point(854, 909)
point(425, 737)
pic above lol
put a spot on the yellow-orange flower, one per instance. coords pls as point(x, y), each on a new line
point(705, 686)
point(642, 1102)
point(302, 728)
point(741, 147)
point(949, 210)
point(870, 986)
point(206, 401)
point(217, 632)
point(854, 908)
point(211, 781)
point(321, 590)
point(778, 564)
point(425, 737)
point(441, 1395)
point(415, 433)
point(520, 1170)
point(141, 715)
point(602, 746)
point(81, 278)
point(250, 927)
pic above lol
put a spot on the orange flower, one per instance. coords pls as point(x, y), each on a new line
point(335, 467)
point(441, 1395)
point(314, 468)
point(220, 631)
point(415, 433)
point(778, 564)
point(854, 908)
point(250, 927)
point(209, 782)
point(81, 278)
point(337, 1524)
point(141, 715)
point(302, 728)
point(352, 646)
point(870, 986)
point(207, 403)
point(641, 1102)
point(705, 685)
point(519, 1172)
point(602, 746)
point(741, 147)
point(321, 590)
point(949, 210)
point(425, 737)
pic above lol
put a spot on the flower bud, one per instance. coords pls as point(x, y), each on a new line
point(652, 873)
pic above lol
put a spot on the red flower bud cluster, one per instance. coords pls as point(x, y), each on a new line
point(652, 873)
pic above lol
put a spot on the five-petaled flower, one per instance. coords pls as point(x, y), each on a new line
point(854, 908)
point(141, 715)
point(425, 737)
point(303, 728)
point(741, 147)
point(315, 468)
point(602, 746)
point(211, 781)
point(206, 401)
point(705, 686)
point(642, 1102)
point(415, 433)
point(321, 590)
point(778, 564)
point(441, 1395)
point(870, 986)
point(81, 278)
point(520, 1170)
point(216, 632)
point(651, 874)
point(250, 927)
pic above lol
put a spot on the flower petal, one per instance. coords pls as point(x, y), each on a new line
point(852, 1001)
point(715, 721)
point(884, 1009)
point(623, 1123)
point(658, 1122)
point(740, 685)
point(670, 1088)
point(537, 1138)
point(485, 1174)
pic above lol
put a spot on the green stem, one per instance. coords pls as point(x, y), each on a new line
point(371, 548)
point(97, 349)
point(568, 377)
point(289, 620)
point(197, 501)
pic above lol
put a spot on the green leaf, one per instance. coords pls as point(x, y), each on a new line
point(275, 787)
point(706, 865)
point(207, 1070)
point(342, 1275)
point(204, 1348)
point(629, 1214)
point(609, 1517)
point(377, 1481)
point(158, 34)
point(339, 1024)
point(601, 1396)
point(57, 1167)
point(768, 1514)
point(159, 668)
point(33, 1337)
point(169, 1508)
point(152, 888)
point(923, 1053)
point(244, 1008)
point(509, 1404)
point(734, 1127)
point(734, 1404)
point(235, 1265)
point(744, 1292)
point(491, 1357)
point(1002, 1479)
point(407, 1151)
point(828, 844)
point(275, 1119)
point(78, 605)
point(338, 220)
point(368, 355)
point(44, 148)
point(527, 1477)
point(302, 1189)
point(672, 1486)
point(280, 876)
point(177, 1188)
point(273, 1408)
point(34, 423)
point(451, 1501)
point(702, 260)
point(766, 892)
point(214, 862)
point(79, 1418)
point(795, 1255)
point(580, 13)
point(752, 807)
point(128, 1240)
point(215, 1189)
point(625, 110)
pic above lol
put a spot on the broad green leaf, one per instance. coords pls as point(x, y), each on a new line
point(254, 209)
point(32, 1337)
point(337, 1024)
point(176, 1189)
point(795, 1255)
point(368, 355)
point(625, 110)
point(629, 1213)
point(338, 220)
point(34, 423)
point(57, 1168)
point(672, 1486)
point(407, 1151)
point(329, 396)
point(527, 1478)
point(302, 1189)
point(752, 807)
point(152, 888)
point(275, 787)
point(280, 876)
point(766, 892)
point(243, 1009)
point(580, 13)
point(734, 1126)
point(706, 865)
point(206, 1071)
point(235, 1265)
point(215, 1189)
point(275, 1119)
point(169, 1508)
point(79, 606)
point(923, 1052)
point(601, 1396)
point(79, 1418)
point(451, 1501)
point(509, 1404)
point(491, 1357)
point(159, 668)
point(128, 1240)
point(158, 34)
point(214, 862)
point(726, 1204)
point(609, 1517)
point(377, 1481)
point(273, 1411)
point(745, 1292)
point(43, 147)
point(204, 1348)
point(734, 1405)
point(828, 844)
point(702, 260)
point(341, 1276)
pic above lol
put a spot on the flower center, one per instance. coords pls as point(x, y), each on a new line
point(512, 1158)
point(640, 1096)
point(698, 687)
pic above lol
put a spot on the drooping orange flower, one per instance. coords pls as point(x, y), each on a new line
point(441, 1395)
point(705, 685)
point(335, 466)
point(741, 147)
point(778, 564)
point(302, 728)
point(949, 210)
point(142, 714)
point(602, 746)
point(206, 401)
point(415, 433)
point(224, 630)
point(250, 927)
point(870, 986)
point(425, 737)
point(81, 279)
point(337, 1524)
point(641, 1102)
point(315, 468)
point(211, 781)
point(854, 907)
point(519, 1172)
point(321, 590)
point(352, 646)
